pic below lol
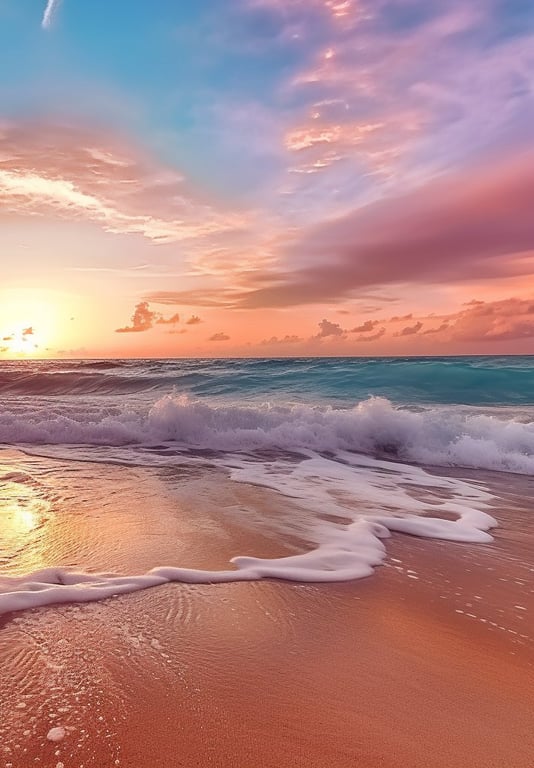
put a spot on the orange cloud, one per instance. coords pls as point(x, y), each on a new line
point(369, 325)
point(439, 329)
point(143, 319)
point(373, 337)
point(322, 143)
point(219, 337)
point(169, 320)
point(328, 329)
point(410, 330)
point(275, 340)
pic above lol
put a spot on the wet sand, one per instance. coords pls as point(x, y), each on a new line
point(430, 662)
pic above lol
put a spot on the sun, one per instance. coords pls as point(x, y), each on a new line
point(23, 342)
point(43, 323)
point(29, 324)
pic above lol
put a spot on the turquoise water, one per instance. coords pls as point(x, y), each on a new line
point(464, 411)
point(494, 381)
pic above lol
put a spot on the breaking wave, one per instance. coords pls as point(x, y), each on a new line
point(435, 437)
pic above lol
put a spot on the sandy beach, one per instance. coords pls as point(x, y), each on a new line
point(430, 662)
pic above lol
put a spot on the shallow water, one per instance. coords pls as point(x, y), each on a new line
point(350, 469)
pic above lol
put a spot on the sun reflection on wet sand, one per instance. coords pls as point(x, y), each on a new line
point(23, 513)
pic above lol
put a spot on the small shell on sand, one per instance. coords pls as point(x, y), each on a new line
point(55, 734)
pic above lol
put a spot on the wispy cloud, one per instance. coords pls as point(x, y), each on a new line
point(220, 297)
point(49, 13)
point(51, 170)
point(386, 93)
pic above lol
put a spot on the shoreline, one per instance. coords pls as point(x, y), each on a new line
point(430, 658)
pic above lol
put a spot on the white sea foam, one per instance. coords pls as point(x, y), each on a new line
point(376, 497)
point(439, 437)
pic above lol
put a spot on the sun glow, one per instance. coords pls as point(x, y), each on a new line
point(22, 342)
point(23, 514)
point(29, 324)
point(21, 511)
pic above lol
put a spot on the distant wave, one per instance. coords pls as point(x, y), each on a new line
point(444, 381)
point(439, 437)
point(58, 383)
point(102, 365)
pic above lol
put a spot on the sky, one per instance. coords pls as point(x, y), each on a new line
point(266, 177)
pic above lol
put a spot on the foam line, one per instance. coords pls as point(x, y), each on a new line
point(345, 554)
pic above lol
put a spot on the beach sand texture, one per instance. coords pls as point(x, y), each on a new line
point(429, 662)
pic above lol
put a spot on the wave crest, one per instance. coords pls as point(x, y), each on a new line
point(439, 437)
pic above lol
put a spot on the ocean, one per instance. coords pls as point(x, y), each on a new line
point(356, 448)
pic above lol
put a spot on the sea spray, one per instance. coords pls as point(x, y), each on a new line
point(436, 437)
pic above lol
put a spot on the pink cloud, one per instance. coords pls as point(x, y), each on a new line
point(391, 93)
point(509, 319)
point(65, 172)
point(219, 337)
point(506, 320)
point(473, 225)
